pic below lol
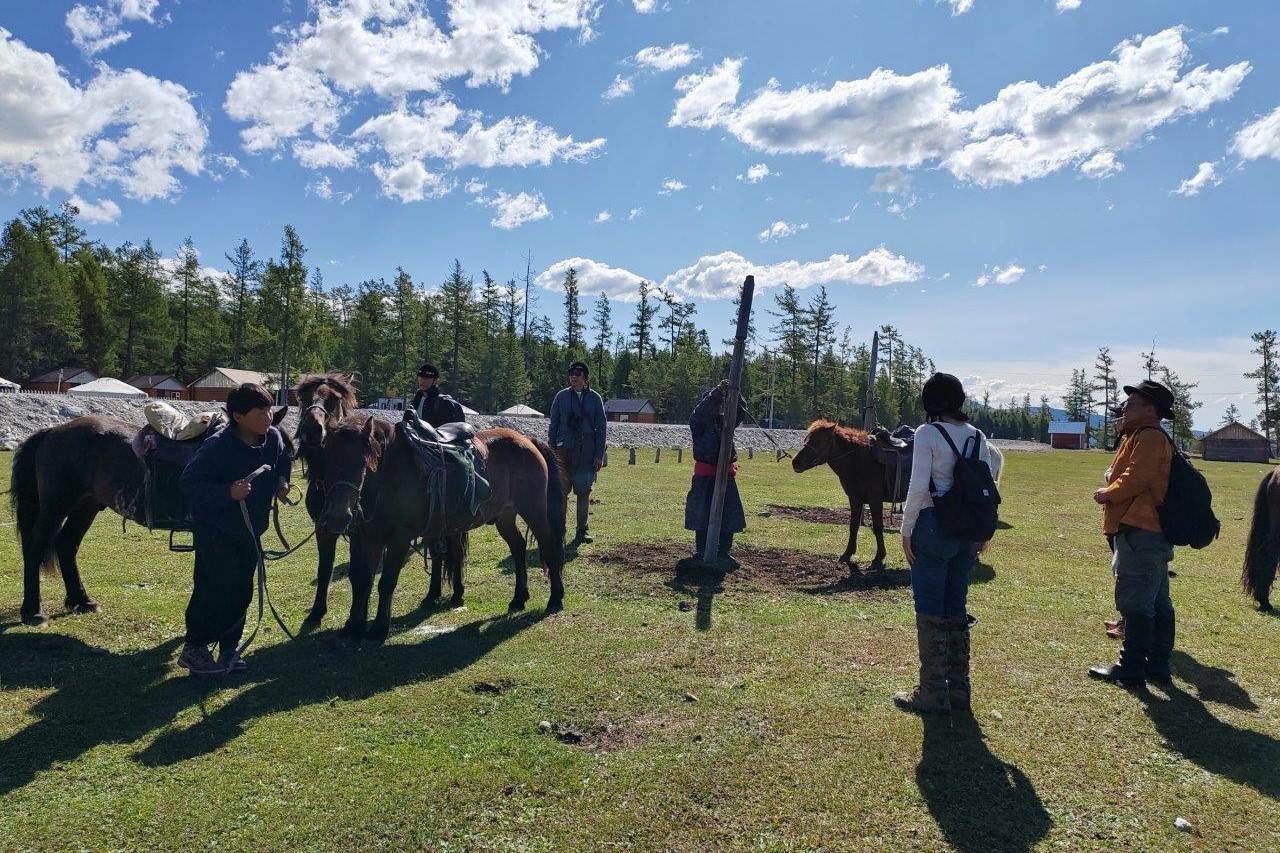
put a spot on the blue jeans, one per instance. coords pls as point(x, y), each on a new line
point(940, 574)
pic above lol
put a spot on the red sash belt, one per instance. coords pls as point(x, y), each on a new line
point(703, 469)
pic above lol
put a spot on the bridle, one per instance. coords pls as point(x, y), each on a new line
point(829, 458)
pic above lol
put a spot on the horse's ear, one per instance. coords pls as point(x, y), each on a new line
point(367, 431)
point(279, 416)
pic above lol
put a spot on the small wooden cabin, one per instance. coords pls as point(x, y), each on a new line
point(60, 380)
point(630, 411)
point(1068, 435)
point(161, 385)
point(1235, 442)
point(215, 385)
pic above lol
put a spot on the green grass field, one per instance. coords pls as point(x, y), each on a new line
point(433, 741)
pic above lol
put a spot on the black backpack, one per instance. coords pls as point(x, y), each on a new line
point(1186, 517)
point(969, 510)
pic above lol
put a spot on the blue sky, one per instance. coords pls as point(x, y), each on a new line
point(1012, 184)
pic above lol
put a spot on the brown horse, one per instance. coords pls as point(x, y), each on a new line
point(325, 400)
point(373, 476)
point(62, 477)
point(1262, 554)
point(848, 452)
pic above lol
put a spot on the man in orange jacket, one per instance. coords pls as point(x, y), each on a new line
point(1137, 483)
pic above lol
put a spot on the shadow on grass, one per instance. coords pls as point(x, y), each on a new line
point(1213, 684)
point(1241, 755)
point(979, 802)
point(857, 581)
point(703, 581)
point(102, 698)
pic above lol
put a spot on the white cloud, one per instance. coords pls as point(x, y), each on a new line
point(958, 7)
point(1068, 5)
point(1030, 130)
point(1259, 138)
point(122, 127)
point(98, 27)
point(1102, 165)
point(755, 174)
point(593, 278)
point(475, 187)
point(619, 88)
point(1221, 31)
point(667, 58)
point(105, 211)
point(1043, 268)
point(1206, 176)
point(516, 210)
point(279, 103)
point(222, 165)
point(410, 181)
point(1009, 274)
point(708, 98)
point(895, 182)
point(644, 7)
point(635, 213)
point(781, 230)
point(322, 187)
point(671, 185)
point(603, 216)
point(324, 155)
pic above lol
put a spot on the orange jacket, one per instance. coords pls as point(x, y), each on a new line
point(1138, 480)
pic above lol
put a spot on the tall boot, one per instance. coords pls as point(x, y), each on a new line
point(584, 504)
point(1162, 635)
point(958, 688)
point(1130, 670)
point(930, 695)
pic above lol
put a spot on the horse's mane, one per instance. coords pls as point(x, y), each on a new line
point(338, 382)
point(849, 434)
point(381, 437)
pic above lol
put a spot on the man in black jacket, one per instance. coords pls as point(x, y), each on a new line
point(431, 405)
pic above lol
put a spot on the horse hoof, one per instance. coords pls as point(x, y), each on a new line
point(86, 606)
point(378, 634)
point(555, 606)
point(430, 600)
point(310, 624)
point(456, 601)
point(847, 559)
point(35, 620)
point(1265, 607)
point(515, 606)
point(877, 566)
point(351, 632)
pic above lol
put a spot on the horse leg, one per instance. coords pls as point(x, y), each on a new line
point(510, 534)
point(877, 527)
point(66, 545)
point(552, 560)
point(35, 552)
point(855, 521)
point(437, 575)
point(361, 576)
point(392, 562)
point(457, 557)
point(327, 546)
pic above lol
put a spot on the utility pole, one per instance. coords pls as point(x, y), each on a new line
point(773, 372)
point(869, 407)
point(729, 416)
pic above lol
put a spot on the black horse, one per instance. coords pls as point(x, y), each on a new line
point(62, 477)
point(1262, 554)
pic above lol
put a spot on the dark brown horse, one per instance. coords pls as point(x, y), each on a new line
point(373, 476)
point(62, 477)
point(325, 400)
point(1262, 554)
point(848, 452)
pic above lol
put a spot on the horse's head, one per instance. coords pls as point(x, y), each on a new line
point(325, 400)
point(351, 451)
point(826, 441)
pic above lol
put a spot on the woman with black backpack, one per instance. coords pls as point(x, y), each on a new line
point(950, 511)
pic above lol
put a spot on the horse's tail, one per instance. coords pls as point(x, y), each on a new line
point(24, 492)
point(1262, 553)
point(555, 502)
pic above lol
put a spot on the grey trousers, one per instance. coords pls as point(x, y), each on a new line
point(1140, 562)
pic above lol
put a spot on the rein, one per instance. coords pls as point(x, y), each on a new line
point(264, 599)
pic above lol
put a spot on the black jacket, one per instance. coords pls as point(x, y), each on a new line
point(220, 461)
point(436, 408)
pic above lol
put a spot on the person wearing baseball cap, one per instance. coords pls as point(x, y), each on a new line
point(577, 431)
point(432, 406)
point(1137, 483)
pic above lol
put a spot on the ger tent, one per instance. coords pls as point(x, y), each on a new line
point(108, 387)
point(468, 411)
point(7, 387)
point(520, 410)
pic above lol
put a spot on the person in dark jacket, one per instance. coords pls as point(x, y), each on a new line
point(706, 423)
point(437, 409)
point(577, 432)
point(433, 406)
point(214, 483)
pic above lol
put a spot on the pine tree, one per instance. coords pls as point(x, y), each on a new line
point(457, 313)
point(141, 313)
point(281, 297)
point(70, 236)
point(642, 326)
point(97, 339)
point(573, 325)
point(1184, 405)
point(1104, 374)
point(1231, 415)
point(404, 311)
point(821, 331)
point(1268, 377)
point(186, 279)
point(602, 317)
point(245, 275)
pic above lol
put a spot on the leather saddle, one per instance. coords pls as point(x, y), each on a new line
point(459, 433)
point(893, 450)
point(455, 479)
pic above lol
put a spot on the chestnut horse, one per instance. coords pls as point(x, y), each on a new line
point(1262, 554)
point(372, 477)
point(62, 477)
point(848, 452)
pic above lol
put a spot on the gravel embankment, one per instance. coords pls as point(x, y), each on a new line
point(23, 414)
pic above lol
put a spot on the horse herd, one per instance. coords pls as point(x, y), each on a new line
point(363, 482)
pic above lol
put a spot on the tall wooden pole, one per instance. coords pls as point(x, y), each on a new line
point(869, 409)
point(729, 415)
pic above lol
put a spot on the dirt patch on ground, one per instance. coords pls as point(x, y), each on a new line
point(827, 515)
point(758, 569)
point(603, 735)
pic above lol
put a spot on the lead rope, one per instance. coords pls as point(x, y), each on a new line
point(264, 599)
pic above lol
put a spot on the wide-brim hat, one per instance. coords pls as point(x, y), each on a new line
point(1160, 396)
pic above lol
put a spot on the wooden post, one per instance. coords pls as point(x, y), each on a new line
point(657, 455)
point(869, 408)
point(729, 412)
point(751, 453)
point(631, 460)
point(680, 454)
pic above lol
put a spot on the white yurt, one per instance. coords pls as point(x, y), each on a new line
point(468, 411)
point(7, 387)
point(108, 387)
point(520, 410)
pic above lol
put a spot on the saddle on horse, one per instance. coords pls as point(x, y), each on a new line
point(446, 457)
point(893, 450)
point(164, 457)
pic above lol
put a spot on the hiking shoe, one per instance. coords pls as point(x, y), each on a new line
point(584, 536)
point(232, 662)
point(198, 661)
